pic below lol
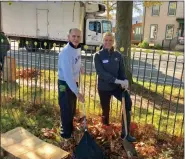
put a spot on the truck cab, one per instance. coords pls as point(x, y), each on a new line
point(95, 28)
point(96, 24)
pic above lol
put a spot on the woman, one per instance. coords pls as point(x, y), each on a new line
point(112, 80)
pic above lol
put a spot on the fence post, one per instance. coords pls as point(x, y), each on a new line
point(9, 69)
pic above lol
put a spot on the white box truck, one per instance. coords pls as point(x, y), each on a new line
point(50, 22)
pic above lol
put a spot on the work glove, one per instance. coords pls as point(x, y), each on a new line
point(124, 83)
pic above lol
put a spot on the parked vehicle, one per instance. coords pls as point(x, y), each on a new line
point(181, 40)
point(50, 22)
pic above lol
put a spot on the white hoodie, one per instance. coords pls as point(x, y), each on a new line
point(69, 63)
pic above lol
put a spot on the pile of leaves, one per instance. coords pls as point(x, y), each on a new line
point(107, 137)
point(148, 145)
point(28, 73)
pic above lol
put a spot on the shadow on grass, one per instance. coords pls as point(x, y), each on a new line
point(159, 100)
point(163, 122)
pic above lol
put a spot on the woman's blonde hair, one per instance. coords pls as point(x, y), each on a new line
point(109, 34)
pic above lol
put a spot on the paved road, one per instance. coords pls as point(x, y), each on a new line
point(145, 67)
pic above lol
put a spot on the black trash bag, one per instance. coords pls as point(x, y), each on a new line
point(88, 149)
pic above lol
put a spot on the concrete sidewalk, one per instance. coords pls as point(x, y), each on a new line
point(21, 144)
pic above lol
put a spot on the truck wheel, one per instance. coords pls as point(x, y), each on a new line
point(30, 47)
point(21, 43)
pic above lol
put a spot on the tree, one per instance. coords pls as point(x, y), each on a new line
point(110, 6)
point(151, 3)
point(0, 18)
point(123, 31)
point(124, 28)
point(136, 7)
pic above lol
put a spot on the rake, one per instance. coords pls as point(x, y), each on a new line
point(87, 147)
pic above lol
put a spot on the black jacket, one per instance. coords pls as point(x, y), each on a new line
point(4, 44)
point(4, 47)
point(109, 67)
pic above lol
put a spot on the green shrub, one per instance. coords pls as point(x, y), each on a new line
point(158, 47)
point(144, 44)
point(133, 45)
point(140, 45)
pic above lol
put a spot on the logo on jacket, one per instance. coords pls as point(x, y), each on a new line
point(116, 59)
point(76, 59)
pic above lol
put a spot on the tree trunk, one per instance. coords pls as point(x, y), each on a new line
point(123, 32)
point(0, 18)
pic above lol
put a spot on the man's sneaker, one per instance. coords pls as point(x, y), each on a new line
point(129, 138)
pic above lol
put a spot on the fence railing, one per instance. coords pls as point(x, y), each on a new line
point(157, 92)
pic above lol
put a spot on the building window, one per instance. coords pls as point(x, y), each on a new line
point(137, 30)
point(153, 31)
point(155, 10)
point(169, 31)
point(172, 8)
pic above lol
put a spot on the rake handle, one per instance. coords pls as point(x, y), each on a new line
point(124, 115)
point(84, 110)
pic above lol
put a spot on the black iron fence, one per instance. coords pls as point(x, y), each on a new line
point(29, 88)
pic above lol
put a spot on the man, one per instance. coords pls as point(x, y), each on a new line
point(69, 65)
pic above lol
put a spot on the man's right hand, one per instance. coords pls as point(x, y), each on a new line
point(82, 70)
point(81, 97)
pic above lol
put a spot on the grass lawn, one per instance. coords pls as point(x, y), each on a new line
point(42, 115)
point(158, 109)
point(150, 102)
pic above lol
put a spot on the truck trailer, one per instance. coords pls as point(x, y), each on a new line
point(49, 22)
